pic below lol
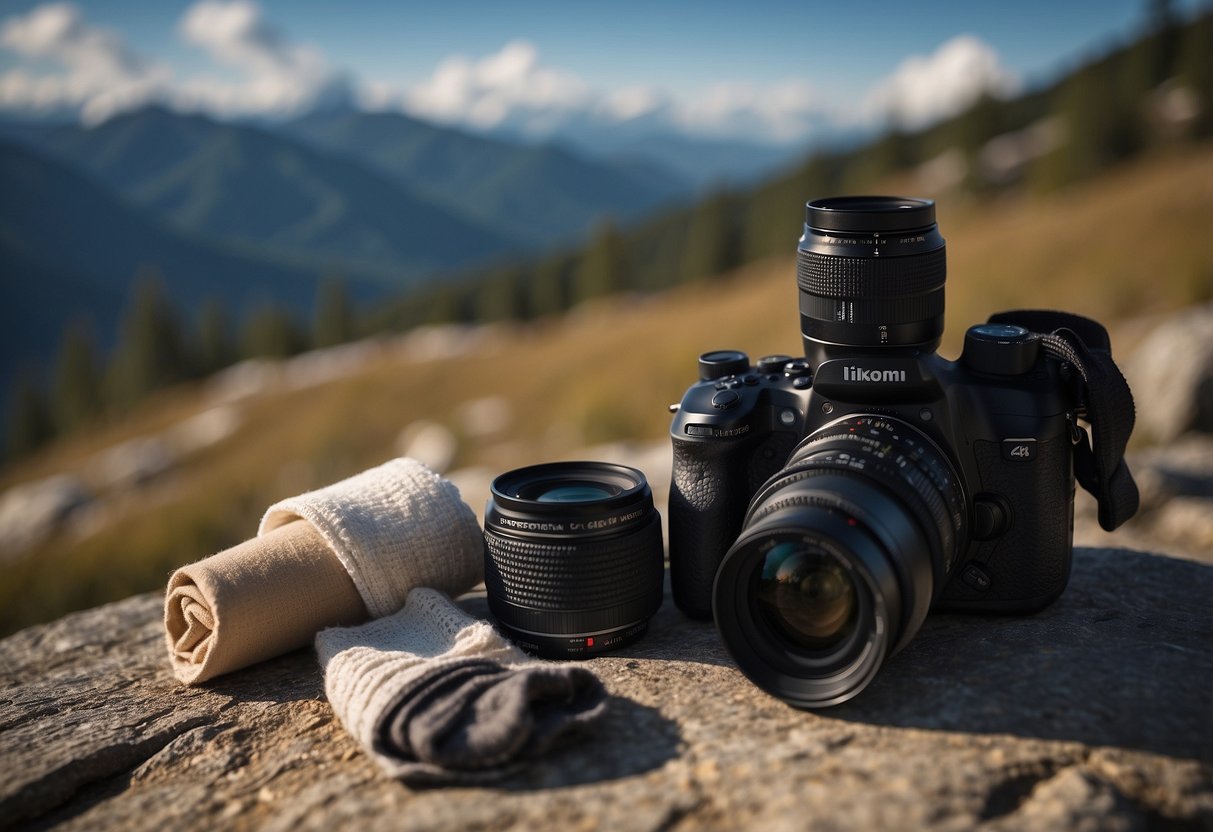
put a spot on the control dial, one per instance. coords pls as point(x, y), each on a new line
point(1000, 349)
point(721, 363)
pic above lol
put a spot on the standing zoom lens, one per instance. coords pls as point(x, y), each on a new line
point(838, 559)
point(871, 271)
point(574, 560)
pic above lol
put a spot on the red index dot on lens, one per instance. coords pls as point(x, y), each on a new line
point(589, 642)
point(851, 521)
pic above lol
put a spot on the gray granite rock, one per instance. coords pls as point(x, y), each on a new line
point(1094, 714)
point(1171, 375)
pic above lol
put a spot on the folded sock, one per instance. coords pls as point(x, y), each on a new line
point(327, 558)
point(437, 697)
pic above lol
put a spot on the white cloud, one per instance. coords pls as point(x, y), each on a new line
point(73, 65)
point(258, 70)
point(926, 88)
point(509, 86)
point(277, 76)
point(98, 74)
point(513, 89)
point(781, 112)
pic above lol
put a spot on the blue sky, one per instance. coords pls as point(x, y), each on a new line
point(707, 67)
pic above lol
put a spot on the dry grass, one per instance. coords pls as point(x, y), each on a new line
point(1136, 242)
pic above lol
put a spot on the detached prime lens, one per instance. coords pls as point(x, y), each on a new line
point(838, 559)
point(871, 271)
point(574, 562)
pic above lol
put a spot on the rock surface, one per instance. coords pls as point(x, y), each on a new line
point(1095, 713)
point(1171, 375)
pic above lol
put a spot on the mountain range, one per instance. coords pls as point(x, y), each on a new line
point(538, 194)
point(238, 211)
point(69, 248)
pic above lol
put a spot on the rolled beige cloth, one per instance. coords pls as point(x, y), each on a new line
point(328, 558)
point(265, 597)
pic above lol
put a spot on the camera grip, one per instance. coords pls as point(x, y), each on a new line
point(709, 494)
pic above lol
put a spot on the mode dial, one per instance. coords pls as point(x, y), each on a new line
point(1001, 349)
point(721, 363)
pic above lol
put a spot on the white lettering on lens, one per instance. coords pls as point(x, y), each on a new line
point(531, 526)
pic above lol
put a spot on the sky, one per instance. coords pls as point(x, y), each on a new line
point(776, 70)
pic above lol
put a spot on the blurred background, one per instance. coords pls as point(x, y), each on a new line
point(249, 249)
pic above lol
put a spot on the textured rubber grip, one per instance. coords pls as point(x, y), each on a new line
point(709, 494)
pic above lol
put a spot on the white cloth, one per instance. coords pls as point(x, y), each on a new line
point(394, 527)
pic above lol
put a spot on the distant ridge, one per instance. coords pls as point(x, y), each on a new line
point(246, 185)
point(540, 194)
point(70, 248)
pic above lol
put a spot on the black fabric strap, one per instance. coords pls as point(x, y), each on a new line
point(1100, 465)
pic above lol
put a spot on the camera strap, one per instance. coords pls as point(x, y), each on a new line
point(1099, 463)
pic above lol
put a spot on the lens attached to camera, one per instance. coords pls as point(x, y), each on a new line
point(574, 560)
point(838, 556)
point(871, 272)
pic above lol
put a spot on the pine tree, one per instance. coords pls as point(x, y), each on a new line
point(546, 293)
point(973, 129)
point(151, 352)
point(1194, 67)
point(214, 349)
point(498, 297)
point(29, 421)
point(1101, 126)
point(602, 269)
point(711, 246)
point(270, 332)
point(333, 321)
point(77, 387)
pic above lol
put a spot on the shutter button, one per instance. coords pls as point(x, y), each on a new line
point(725, 399)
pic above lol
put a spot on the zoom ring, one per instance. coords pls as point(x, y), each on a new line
point(870, 277)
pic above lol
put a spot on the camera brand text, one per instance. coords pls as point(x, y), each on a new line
point(860, 374)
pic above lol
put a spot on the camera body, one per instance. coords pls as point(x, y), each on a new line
point(821, 506)
point(1002, 416)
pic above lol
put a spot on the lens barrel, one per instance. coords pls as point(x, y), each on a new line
point(871, 272)
point(574, 559)
point(838, 559)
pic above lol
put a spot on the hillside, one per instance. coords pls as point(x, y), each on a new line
point(539, 194)
point(70, 248)
point(507, 395)
point(249, 186)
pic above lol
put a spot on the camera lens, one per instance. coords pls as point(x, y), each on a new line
point(807, 596)
point(838, 558)
point(871, 271)
point(573, 562)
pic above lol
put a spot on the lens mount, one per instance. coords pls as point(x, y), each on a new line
point(871, 272)
point(573, 557)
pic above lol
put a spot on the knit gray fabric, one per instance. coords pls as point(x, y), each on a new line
point(437, 697)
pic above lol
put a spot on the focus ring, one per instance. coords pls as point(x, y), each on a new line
point(870, 277)
point(549, 587)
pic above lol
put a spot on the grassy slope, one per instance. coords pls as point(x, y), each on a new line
point(1134, 243)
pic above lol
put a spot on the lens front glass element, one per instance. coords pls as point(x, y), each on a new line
point(574, 493)
point(807, 596)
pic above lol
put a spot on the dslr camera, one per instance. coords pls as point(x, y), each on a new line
point(821, 505)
